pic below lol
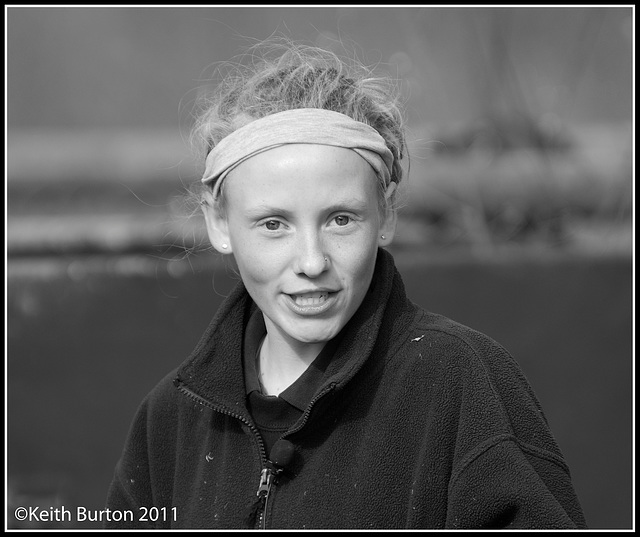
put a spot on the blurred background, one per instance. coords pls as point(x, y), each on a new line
point(517, 216)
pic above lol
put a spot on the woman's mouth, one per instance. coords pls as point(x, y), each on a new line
point(311, 303)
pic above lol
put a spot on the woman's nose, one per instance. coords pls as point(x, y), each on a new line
point(311, 259)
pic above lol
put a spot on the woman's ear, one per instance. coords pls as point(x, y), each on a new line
point(389, 218)
point(217, 226)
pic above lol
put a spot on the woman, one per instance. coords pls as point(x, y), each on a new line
point(320, 396)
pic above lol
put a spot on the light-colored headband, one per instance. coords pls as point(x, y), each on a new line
point(298, 126)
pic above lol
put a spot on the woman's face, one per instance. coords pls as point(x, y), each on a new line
point(304, 224)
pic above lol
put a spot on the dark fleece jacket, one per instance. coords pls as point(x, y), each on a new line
point(420, 422)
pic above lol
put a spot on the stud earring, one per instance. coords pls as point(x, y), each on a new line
point(225, 246)
point(382, 237)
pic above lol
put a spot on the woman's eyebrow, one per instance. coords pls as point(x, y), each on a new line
point(350, 204)
point(262, 210)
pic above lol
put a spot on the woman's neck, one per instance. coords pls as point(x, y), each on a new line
point(282, 361)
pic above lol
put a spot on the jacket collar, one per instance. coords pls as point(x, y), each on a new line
point(214, 369)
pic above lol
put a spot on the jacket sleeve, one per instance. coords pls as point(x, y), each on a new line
point(139, 482)
point(508, 470)
point(131, 487)
point(510, 485)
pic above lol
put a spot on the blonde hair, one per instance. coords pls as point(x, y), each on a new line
point(285, 75)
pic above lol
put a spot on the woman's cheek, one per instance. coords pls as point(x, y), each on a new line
point(258, 262)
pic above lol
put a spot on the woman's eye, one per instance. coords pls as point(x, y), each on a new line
point(342, 220)
point(272, 225)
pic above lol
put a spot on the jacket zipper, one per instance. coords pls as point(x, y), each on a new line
point(267, 479)
point(267, 475)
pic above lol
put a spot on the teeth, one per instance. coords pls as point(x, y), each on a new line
point(310, 299)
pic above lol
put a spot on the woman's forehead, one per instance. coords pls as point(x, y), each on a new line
point(305, 170)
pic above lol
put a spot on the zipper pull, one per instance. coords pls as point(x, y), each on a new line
point(282, 453)
point(256, 513)
point(266, 480)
